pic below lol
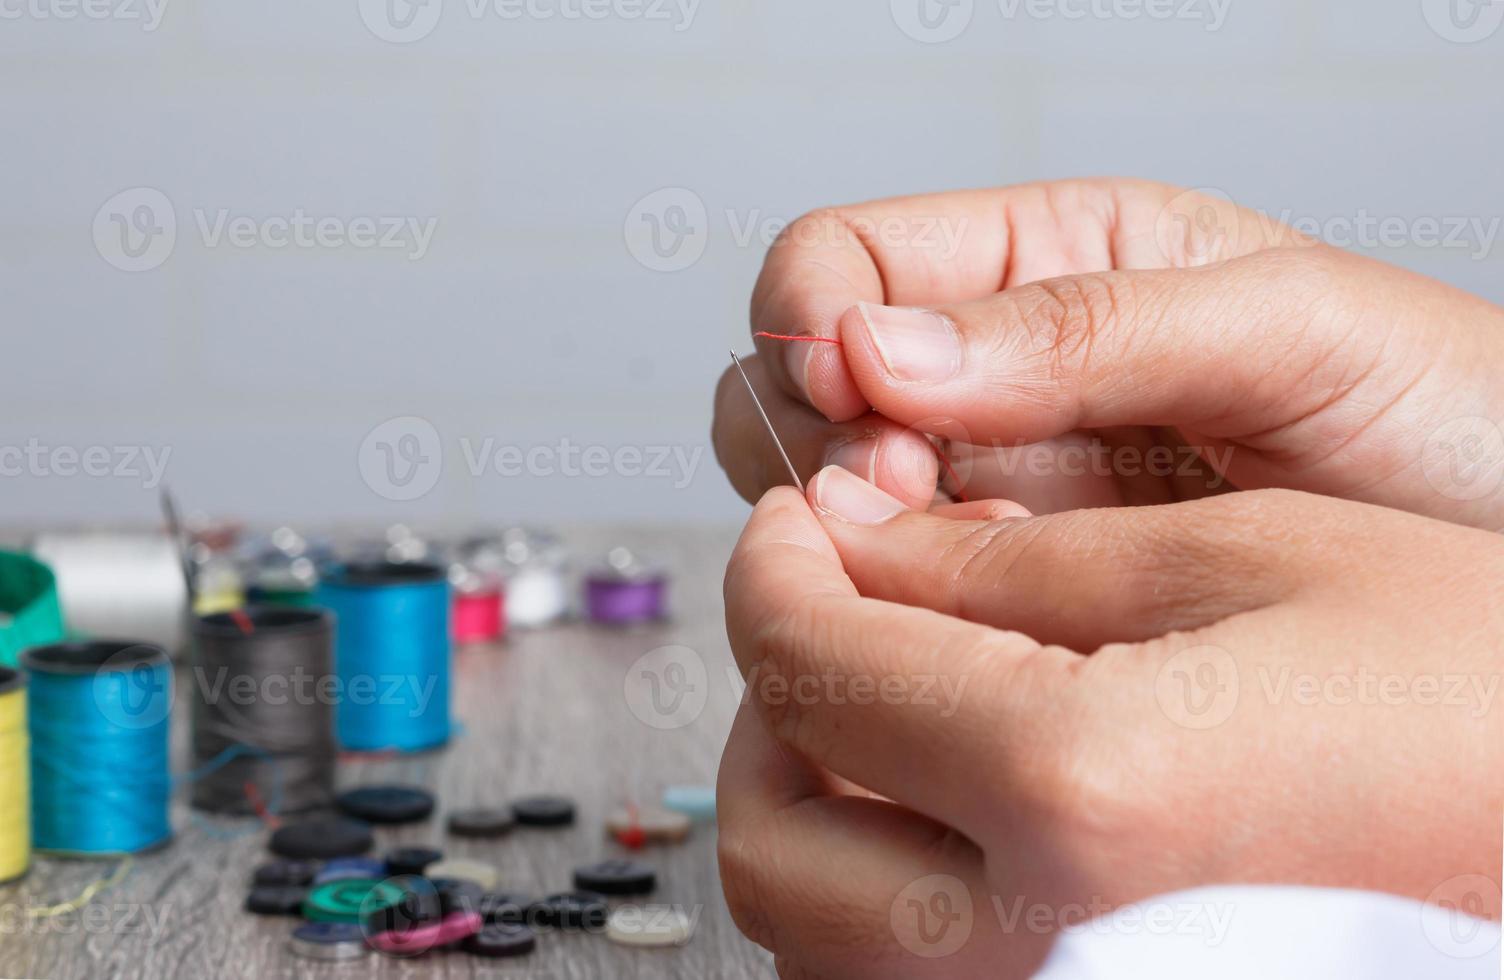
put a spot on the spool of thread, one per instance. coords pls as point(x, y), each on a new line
point(391, 655)
point(534, 566)
point(15, 777)
point(624, 591)
point(290, 583)
point(119, 585)
point(479, 614)
point(263, 679)
point(29, 611)
point(99, 725)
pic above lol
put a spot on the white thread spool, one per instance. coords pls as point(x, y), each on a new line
point(114, 585)
point(535, 567)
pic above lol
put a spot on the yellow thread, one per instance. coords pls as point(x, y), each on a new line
point(15, 786)
point(87, 895)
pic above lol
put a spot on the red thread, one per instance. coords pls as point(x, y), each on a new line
point(632, 836)
point(243, 621)
point(944, 460)
point(802, 340)
point(254, 795)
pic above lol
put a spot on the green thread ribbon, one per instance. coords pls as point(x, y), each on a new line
point(29, 611)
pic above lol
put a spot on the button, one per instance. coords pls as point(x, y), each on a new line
point(453, 928)
point(321, 837)
point(276, 899)
point(657, 825)
point(500, 939)
point(386, 804)
point(328, 941)
point(349, 901)
point(286, 873)
point(696, 802)
point(484, 875)
point(342, 868)
point(570, 910)
point(649, 925)
point(411, 860)
point(616, 877)
point(544, 811)
point(481, 822)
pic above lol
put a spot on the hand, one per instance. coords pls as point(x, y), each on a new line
point(1281, 688)
point(1156, 345)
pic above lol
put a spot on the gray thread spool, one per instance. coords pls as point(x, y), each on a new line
point(270, 689)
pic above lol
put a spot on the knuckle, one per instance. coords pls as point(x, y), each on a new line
point(985, 554)
point(822, 226)
point(1066, 318)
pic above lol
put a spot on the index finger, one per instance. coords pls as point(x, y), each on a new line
point(906, 702)
point(878, 252)
point(964, 245)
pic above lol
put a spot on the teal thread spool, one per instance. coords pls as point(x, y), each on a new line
point(391, 655)
point(99, 741)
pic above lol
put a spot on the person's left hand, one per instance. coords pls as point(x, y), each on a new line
point(1280, 688)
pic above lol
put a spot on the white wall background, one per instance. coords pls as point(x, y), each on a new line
point(529, 136)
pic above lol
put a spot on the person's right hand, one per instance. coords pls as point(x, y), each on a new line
point(974, 715)
point(1105, 321)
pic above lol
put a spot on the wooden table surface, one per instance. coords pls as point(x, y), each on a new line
point(567, 710)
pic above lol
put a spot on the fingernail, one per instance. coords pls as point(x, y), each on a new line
point(915, 345)
point(852, 499)
point(796, 360)
point(859, 456)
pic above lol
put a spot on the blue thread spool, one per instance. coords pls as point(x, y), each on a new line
point(391, 655)
point(99, 711)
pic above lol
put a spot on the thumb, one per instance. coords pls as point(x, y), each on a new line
point(1201, 348)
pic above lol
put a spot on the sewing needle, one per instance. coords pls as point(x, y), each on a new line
point(793, 473)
